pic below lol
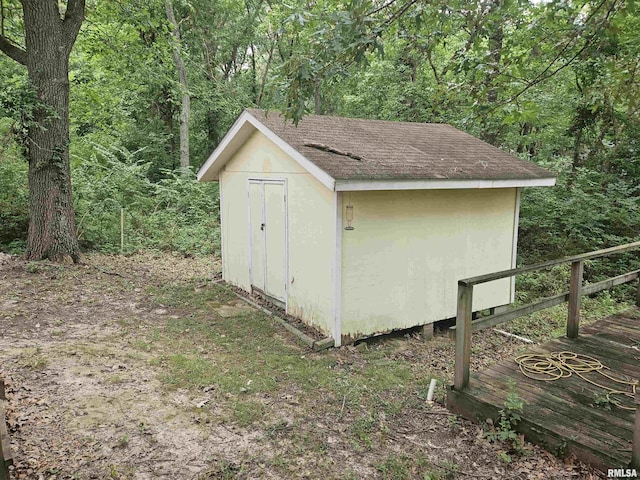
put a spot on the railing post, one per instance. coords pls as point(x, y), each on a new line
point(638, 294)
point(5, 453)
point(635, 449)
point(463, 336)
point(575, 298)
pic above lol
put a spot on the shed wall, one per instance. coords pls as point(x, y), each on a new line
point(311, 227)
point(401, 264)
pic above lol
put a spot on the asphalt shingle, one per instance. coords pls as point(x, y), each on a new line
point(360, 149)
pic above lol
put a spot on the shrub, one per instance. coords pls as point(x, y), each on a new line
point(177, 213)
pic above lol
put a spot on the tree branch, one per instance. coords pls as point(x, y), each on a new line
point(73, 18)
point(12, 51)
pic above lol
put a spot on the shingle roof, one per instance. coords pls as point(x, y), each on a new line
point(359, 149)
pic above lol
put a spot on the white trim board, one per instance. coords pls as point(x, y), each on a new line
point(440, 184)
point(337, 272)
point(243, 127)
point(223, 230)
point(514, 244)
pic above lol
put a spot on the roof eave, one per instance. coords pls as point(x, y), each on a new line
point(441, 184)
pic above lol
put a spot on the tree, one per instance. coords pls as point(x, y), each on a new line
point(185, 105)
point(49, 36)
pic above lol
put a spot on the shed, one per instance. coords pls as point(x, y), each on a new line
point(360, 227)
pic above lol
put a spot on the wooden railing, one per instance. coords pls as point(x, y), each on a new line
point(5, 453)
point(635, 449)
point(464, 324)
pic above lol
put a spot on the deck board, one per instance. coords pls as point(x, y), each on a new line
point(562, 415)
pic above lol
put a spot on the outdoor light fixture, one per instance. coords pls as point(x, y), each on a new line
point(349, 218)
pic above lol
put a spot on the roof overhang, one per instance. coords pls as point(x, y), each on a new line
point(440, 184)
point(244, 126)
point(247, 124)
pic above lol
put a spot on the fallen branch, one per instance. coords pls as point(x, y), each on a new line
point(327, 148)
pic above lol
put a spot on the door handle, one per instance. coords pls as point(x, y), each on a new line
point(262, 225)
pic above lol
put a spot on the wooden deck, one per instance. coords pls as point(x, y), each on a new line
point(561, 415)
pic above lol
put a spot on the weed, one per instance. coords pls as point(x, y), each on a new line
point(122, 442)
point(33, 267)
point(278, 428)
point(504, 457)
point(34, 359)
point(508, 419)
point(451, 469)
point(119, 472)
point(362, 428)
point(603, 400)
point(115, 379)
point(454, 422)
point(394, 468)
point(561, 449)
point(222, 470)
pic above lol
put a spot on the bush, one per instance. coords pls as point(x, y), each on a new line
point(177, 213)
point(14, 202)
point(587, 210)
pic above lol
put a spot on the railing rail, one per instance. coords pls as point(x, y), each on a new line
point(464, 324)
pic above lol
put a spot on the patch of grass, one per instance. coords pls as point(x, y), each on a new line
point(362, 428)
point(34, 359)
point(223, 470)
point(188, 371)
point(395, 468)
point(142, 344)
point(189, 295)
point(33, 267)
point(401, 467)
point(115, 379)
point(277, 429)
point(247, 412)
point(119, 472)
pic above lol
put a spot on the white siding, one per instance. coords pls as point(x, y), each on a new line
point(401, 264)
point(311, 226)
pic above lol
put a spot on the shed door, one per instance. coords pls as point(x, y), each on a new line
point(268, 228)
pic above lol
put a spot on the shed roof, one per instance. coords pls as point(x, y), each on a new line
point(360, 154)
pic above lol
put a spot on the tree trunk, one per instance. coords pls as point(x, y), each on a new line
point(490, 132)
point(49, 38)
point(317, 97)
point(185, 108)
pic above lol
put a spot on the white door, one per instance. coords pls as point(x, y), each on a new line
point(268, 236)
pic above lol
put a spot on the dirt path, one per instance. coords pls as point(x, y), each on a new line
point(140, 368)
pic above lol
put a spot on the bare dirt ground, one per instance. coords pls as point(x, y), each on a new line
point(139, 367)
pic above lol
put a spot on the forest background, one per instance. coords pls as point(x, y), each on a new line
point(156, 84)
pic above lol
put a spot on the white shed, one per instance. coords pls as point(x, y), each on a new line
point(360, 227)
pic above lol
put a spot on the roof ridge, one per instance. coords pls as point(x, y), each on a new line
point(266, 111)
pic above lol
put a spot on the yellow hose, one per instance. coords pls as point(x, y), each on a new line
point(553, 366)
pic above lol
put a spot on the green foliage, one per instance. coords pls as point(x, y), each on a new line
point(552, 82)
point(14, 203)
point(587, 210)
point(177, 213)
point(603, 400)
point(504, 430)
